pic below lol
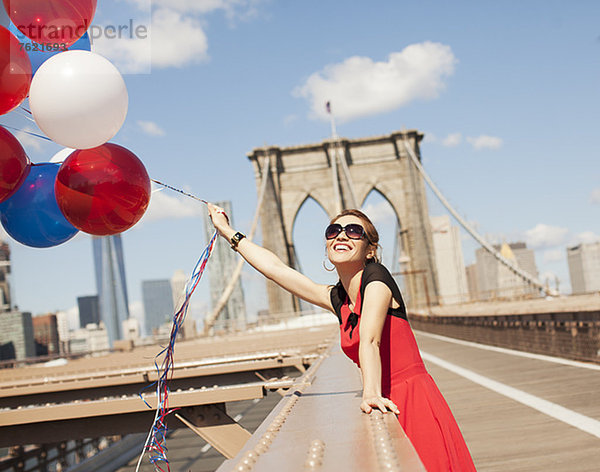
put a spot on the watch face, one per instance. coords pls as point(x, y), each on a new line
point(236, 238)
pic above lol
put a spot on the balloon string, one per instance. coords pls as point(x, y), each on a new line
point(22, 110)
point(27, 132)
point(180, 191)
point(155, 443)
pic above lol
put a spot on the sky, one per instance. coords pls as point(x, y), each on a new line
point(506, 94)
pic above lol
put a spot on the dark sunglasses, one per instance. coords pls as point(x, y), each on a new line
point(353, 231)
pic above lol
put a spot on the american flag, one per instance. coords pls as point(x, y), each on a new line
point(328, 107)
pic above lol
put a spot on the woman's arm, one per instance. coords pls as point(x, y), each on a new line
point(374, 310)
point(271, 266)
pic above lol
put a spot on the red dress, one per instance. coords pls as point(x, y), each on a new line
point(424, 414)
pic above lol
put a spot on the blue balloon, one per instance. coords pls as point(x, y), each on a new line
point(31, 216)
point(40, 53)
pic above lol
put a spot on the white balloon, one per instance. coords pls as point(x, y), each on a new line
point(61, 155)
point(79, 99)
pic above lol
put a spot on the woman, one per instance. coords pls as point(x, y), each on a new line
point(374, 333)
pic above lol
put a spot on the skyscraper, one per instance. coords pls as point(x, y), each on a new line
point(45, 333)
point(16, 335)
point(220, 268)
point(449, 261)
point(4, 271)
point(89, 310)
point(495, 280)
point(157, 297)
point(111, 284)
point(584, 267)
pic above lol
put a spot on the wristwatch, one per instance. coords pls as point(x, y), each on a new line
point(235, 240)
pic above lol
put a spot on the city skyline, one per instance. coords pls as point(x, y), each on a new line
point(505, 95)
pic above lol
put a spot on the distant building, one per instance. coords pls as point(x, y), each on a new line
point(16, 336)
point(62, 324)
point(178, 284)
point(157, 297)
point(131, 329)
point(5, 300)
point(45, 333)
point(472, 282)
point(584, 267)
point(449, 261)
point(111, 284)
point(92, 338)
point(220, 270)
point(89, 310)
point(496, 281)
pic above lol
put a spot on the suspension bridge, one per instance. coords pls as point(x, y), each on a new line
point(521, 377)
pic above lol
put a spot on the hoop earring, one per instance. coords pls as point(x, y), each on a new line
point(326, 268)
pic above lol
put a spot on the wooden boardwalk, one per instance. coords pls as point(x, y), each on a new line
point(504, 434)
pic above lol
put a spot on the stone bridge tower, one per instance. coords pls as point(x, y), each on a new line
point(340, 174)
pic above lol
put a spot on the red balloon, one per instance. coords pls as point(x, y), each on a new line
point(104, 190)
point(14, 164)
point(15, 72)
point(52, 21)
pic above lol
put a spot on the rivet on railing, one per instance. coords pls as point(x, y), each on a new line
point(383, 443)
point(314, 459)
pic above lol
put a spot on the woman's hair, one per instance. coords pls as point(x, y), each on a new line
point(370, 230)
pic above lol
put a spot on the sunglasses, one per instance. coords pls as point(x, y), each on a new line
point(353, 231)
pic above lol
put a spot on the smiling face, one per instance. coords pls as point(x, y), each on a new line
point(345, 252)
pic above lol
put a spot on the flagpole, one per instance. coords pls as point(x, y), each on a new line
point(350, 199)
point(334, 135)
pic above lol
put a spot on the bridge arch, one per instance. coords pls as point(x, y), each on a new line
point(339, 174)
point(308, 241)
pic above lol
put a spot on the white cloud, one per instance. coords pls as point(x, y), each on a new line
point(151, 128)
point(174, 40)
point(452, 140)
point(595, 196)
point(380, 213)
point(360, 86)
point(177, 40)
point(232, 8)
point(554, 255)
point(484, 142)
point(27, 140)
point(164, 206)
point(585, 238)
point(545, 236)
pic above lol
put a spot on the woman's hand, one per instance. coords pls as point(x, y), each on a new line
point(219, 219)
point(382, 404)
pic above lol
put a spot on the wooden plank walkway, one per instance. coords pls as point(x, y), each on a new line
point(504, 434)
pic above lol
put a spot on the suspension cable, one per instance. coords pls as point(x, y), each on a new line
point(487, 246)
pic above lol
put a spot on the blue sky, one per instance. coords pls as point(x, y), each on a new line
point(505, 92)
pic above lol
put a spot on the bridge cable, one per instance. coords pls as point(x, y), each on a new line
point(487, 246)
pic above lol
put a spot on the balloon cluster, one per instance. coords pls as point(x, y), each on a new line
point(79, 100)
